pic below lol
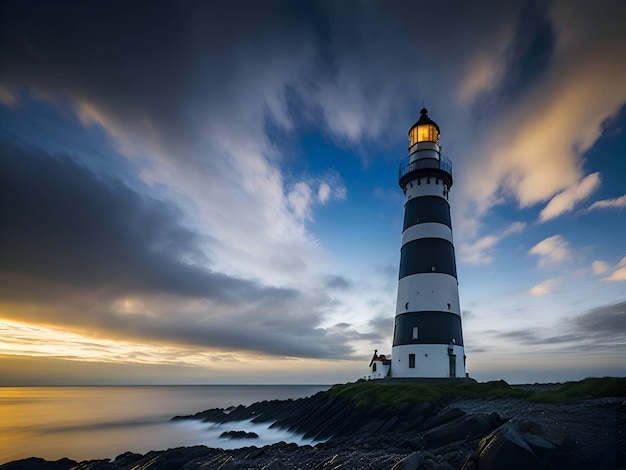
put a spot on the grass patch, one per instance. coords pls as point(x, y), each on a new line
point(592, 387)
point(368, 393)
point(395, 394)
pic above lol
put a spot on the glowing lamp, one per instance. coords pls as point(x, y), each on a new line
point(424, 130)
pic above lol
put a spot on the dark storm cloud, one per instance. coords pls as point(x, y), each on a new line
point(527, 57)
point(530, 51)
point(144, 61)
point(158, 61)
point(59, 221)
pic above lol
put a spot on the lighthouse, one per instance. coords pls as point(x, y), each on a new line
point(427, 335)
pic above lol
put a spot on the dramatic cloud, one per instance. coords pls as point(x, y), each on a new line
point(551, 251)
point(126, 263)
point(190, 168)
point(537, 149)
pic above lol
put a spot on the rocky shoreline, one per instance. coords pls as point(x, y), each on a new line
point(467, 434)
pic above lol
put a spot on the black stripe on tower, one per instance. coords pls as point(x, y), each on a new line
point(427, 255)
point(432, 328)
point(425, 209)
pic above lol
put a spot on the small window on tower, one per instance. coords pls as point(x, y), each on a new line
point(411, 361)
point(415, 332)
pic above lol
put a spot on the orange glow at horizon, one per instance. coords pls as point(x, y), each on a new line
point(24, 339)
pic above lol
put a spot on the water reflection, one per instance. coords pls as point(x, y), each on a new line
point(103, 422)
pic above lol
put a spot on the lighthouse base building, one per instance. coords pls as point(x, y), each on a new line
point(427, 335)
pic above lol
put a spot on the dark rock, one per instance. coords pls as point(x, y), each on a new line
point(411, 462)
point(35, 463)
point(443, 417)
point(471, 463)
point(478, 424)
point(239, 435)
point(104, 464)
point(127, 459)
point(506, 448)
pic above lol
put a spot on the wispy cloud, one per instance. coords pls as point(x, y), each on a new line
point(619, 273)
point(599, 326)
point(546, 287)
point(613, 203)
point(566, 200)
point(479, 252)
point(551, 251)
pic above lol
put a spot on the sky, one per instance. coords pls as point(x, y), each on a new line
point(207, 192)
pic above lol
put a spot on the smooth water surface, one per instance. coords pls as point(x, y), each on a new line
point(102, 422)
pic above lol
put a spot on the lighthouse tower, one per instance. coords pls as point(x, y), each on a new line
point(427, 336)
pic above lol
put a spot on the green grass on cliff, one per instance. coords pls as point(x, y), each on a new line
point(395, 394)
point(592, 387)
point(392, 393)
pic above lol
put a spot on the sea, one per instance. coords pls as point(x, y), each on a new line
point(84, 423)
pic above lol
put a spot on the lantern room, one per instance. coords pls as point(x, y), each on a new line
point(424, 130)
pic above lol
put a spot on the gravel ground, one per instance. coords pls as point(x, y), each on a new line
point(597, 428)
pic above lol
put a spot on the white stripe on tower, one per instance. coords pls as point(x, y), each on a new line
point(428, 339)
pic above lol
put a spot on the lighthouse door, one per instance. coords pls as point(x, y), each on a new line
point(452, 358)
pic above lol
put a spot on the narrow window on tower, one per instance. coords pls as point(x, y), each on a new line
point(411, 361)
point(415, 332)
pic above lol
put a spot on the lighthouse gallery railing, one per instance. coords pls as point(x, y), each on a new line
point(406, 166)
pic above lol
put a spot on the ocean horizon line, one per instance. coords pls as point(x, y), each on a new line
point(172, 385)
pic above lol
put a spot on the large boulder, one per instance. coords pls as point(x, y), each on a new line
point(413, 461)
point(516, 445)
point(475, 425)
